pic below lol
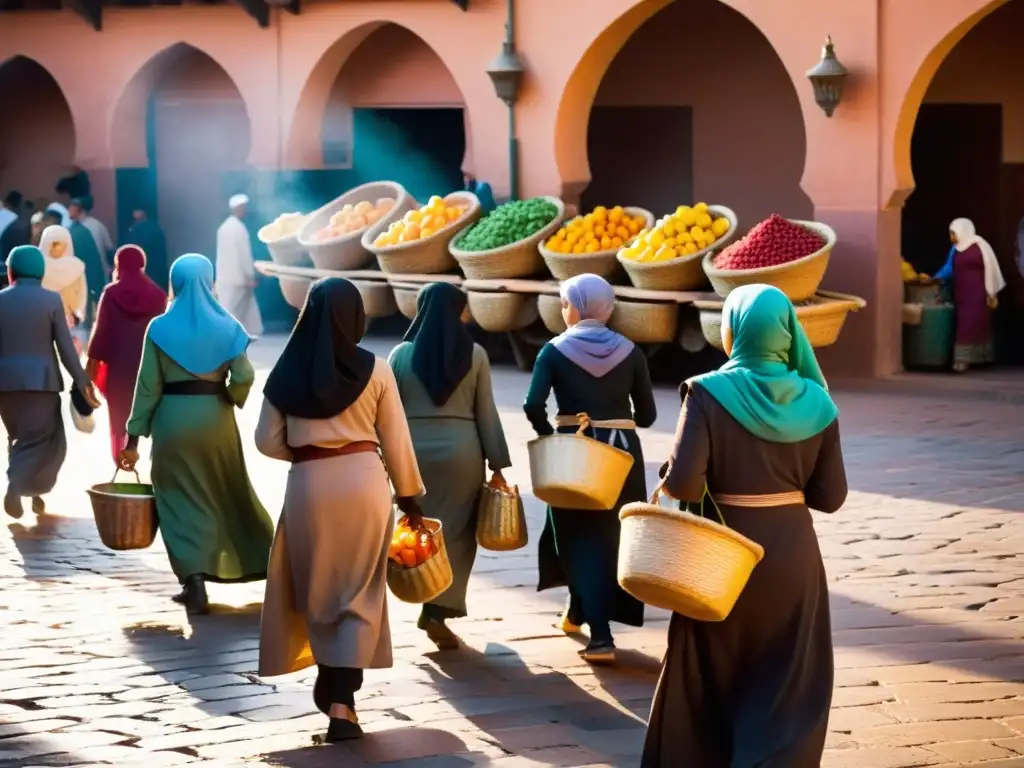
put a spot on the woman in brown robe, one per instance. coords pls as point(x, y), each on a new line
point(333, 410)
point(759, 435)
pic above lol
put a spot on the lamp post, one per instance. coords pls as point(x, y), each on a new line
point(506, 72)
point(828, 77)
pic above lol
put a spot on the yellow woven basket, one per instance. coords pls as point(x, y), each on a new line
point(645, 322)
point(125, 513)
point(424, 582)
point(501, 311)
point(501, 520)
point(428, 255)
point(549, 307)
point(577, 472)
point(678, 561)
point(603, 263)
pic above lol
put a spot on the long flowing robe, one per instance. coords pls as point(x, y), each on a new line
point(236, 275)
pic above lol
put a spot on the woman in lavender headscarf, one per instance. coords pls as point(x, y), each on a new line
point(596, 371)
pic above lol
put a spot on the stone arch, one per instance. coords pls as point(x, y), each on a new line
point(38, 138)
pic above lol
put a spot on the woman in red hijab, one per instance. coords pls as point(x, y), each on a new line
point(115, 350)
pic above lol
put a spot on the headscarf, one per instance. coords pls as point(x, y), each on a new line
point(65, 270)
point(26, 261)
point(442, 348)
point(196, 332)
point(322, 370)
point(965, 238)
point(590, 343)
point(132, 291)
point(772, 384)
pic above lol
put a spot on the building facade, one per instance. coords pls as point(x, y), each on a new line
point(652, 102)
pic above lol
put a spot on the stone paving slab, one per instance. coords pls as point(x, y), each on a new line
point(926, 568)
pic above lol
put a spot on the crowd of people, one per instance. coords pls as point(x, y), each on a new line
point(419, 431)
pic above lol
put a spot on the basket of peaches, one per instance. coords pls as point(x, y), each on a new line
point(588, 243)
point(418, 565)
point(417, 243)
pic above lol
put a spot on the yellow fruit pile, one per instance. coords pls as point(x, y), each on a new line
point(600, 230)
point(418, 224)
point(681, 233)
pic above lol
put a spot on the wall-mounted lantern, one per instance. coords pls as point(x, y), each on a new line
point(828, 78)
point(506, 73)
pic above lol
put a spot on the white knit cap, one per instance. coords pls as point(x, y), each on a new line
point(237, 201)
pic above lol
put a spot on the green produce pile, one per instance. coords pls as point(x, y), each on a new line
point(507, 224)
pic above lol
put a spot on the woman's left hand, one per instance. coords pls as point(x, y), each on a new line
point(993, 302)
point(497, 480)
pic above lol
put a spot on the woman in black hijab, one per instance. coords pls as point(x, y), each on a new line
point(332, 409)
point(445, 383)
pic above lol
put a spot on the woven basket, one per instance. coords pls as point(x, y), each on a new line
point(822, 318)
point(550, 310)
point(566, 265)
point(378, 299)
point(683, 273)
point(347, 251)
point(405, 300)
point(500, 312)
point(294, 289)
point(424, 582)
point(501, 520)
point(125, 514)
point(519, 259)
point(430, 255)
point(577, 472)
point(645, 322)
point(799, 279)
point(286, 251)
point(680, 562)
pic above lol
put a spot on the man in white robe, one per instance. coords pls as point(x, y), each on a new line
point(236, 272)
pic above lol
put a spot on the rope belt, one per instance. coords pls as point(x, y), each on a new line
point(757, 500)
point(584, 422)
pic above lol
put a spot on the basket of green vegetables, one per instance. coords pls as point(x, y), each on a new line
point(505, 243)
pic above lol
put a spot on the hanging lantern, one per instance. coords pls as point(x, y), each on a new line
point(828, 78)
point(506, 72)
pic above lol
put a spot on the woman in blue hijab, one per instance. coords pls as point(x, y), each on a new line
point(596, 371)
point(761, 437)
point(194, 372)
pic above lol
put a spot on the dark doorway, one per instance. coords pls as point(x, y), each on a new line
point(640, 156)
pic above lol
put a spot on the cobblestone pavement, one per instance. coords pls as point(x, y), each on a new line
point(98, 666)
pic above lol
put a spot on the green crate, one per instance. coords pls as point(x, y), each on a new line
point(930, 344)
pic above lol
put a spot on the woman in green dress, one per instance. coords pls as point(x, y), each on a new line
point(194, 372)
point(444, 380)
point(597, 372)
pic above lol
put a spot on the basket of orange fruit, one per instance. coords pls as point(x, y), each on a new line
point(588, 243)
point(417, 243)
point(418, 565)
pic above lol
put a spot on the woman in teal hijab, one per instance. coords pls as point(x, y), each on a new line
point(760, 438)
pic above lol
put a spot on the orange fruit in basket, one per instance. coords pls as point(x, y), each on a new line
point(409, 559)
point(423, 550)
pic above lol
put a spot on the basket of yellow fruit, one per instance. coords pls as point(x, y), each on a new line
point(588, 244)
point(668, 257)
point(417, 243)
point(333, 234)
point(281, 236)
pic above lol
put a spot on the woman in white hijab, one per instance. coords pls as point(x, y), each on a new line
point(65, 274)
point(973, 271)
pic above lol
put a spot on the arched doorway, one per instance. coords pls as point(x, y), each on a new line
point(967, 159)
point(684, 117)
point(37, 132)
point(183, 128)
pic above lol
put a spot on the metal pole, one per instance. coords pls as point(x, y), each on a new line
point(513, 153)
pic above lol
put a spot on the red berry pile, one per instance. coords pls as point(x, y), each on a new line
point(773, 242)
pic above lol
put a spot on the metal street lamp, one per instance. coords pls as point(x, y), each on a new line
point(506, 73)
point(828, 77)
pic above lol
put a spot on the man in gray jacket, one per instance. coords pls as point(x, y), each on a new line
point(32, 324)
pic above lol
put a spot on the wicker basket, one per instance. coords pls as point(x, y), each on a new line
point(430, 255)
point(680, 562)
point(822, 317)
point(286, 251)
point(295, 289)
point(501, 520)
point(125, 513)
point(405, 299)
point(683, 273)
point(549, 307)
point(519, 259)
point(566, 265)
point(500, 312)
point(799, 279)
point(347, 251)
point(577, 472)
point(424, 582)
point(645, 322)
point(378, 299)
